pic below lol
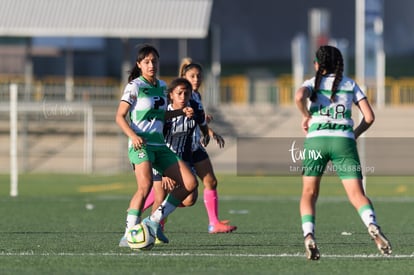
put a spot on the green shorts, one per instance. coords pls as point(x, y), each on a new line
point(341, 151)
point(161, 157)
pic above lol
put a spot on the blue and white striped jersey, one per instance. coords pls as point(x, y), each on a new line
point(178, 131)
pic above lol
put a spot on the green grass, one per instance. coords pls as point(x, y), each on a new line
point(47, 229)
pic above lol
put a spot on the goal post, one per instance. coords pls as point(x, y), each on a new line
point(14, 173)
point(15, 107)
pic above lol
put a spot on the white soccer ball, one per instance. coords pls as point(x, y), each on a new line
point(140, 237)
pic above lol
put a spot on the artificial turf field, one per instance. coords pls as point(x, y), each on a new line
point(71, 224)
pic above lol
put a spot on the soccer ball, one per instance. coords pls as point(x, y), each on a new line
point(140, 237)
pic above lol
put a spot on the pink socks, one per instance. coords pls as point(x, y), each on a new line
point(210, 202)
point(150, 200)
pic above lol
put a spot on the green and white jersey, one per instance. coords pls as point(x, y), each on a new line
point(333, 118)
point(148, 104)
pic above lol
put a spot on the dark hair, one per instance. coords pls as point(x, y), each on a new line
point(330, 61)
point(143, 51)
point(188, 64)
point(177, 82)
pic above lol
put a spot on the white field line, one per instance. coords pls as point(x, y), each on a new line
point(146, 253)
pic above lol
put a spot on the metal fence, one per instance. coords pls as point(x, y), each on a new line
point(236, 89)
point(241, 89)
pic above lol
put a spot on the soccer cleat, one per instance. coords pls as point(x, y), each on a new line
point(383, 245)
point(156, 229)
point(312, 251)
point(123, 242)
point(162, 224)
point(221, 227)
point(158, 241)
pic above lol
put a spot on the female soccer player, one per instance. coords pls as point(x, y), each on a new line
point(200, 161)
point(329, 131)
point(193, 72)
point(144, 100)
point(178, 132)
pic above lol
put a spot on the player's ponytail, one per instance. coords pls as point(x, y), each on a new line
point(184, 63)
point(188, 64)
point(330, 61)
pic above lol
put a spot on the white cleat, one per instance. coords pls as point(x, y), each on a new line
point(384, 246)
point(312, 251)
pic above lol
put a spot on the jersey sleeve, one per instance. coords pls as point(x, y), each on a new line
point(309, 84)
point(130, 93)
point(358, 94)
point(199, 114)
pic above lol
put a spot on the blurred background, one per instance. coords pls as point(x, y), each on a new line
point(67, 62)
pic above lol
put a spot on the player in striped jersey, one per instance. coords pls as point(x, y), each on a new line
point(178, 133)
point(203, 167)
point(200, 161)
point(330, 136)
point(179, 130)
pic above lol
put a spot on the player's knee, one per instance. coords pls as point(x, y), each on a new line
point(191, 184)
point(188, 202)
point(210, 181)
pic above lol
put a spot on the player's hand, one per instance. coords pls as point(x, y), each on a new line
point(209, 118)
point(138, 142)
point(305, 124)
point(219, 139)
point(168, 184)
point(205, 140)
point(188, 112)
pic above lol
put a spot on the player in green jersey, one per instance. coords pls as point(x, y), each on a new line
point(144, 100)
point(330, 136)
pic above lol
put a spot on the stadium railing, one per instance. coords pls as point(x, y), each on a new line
point(235, 89)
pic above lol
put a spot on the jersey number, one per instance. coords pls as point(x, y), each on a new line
point(335, 113)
